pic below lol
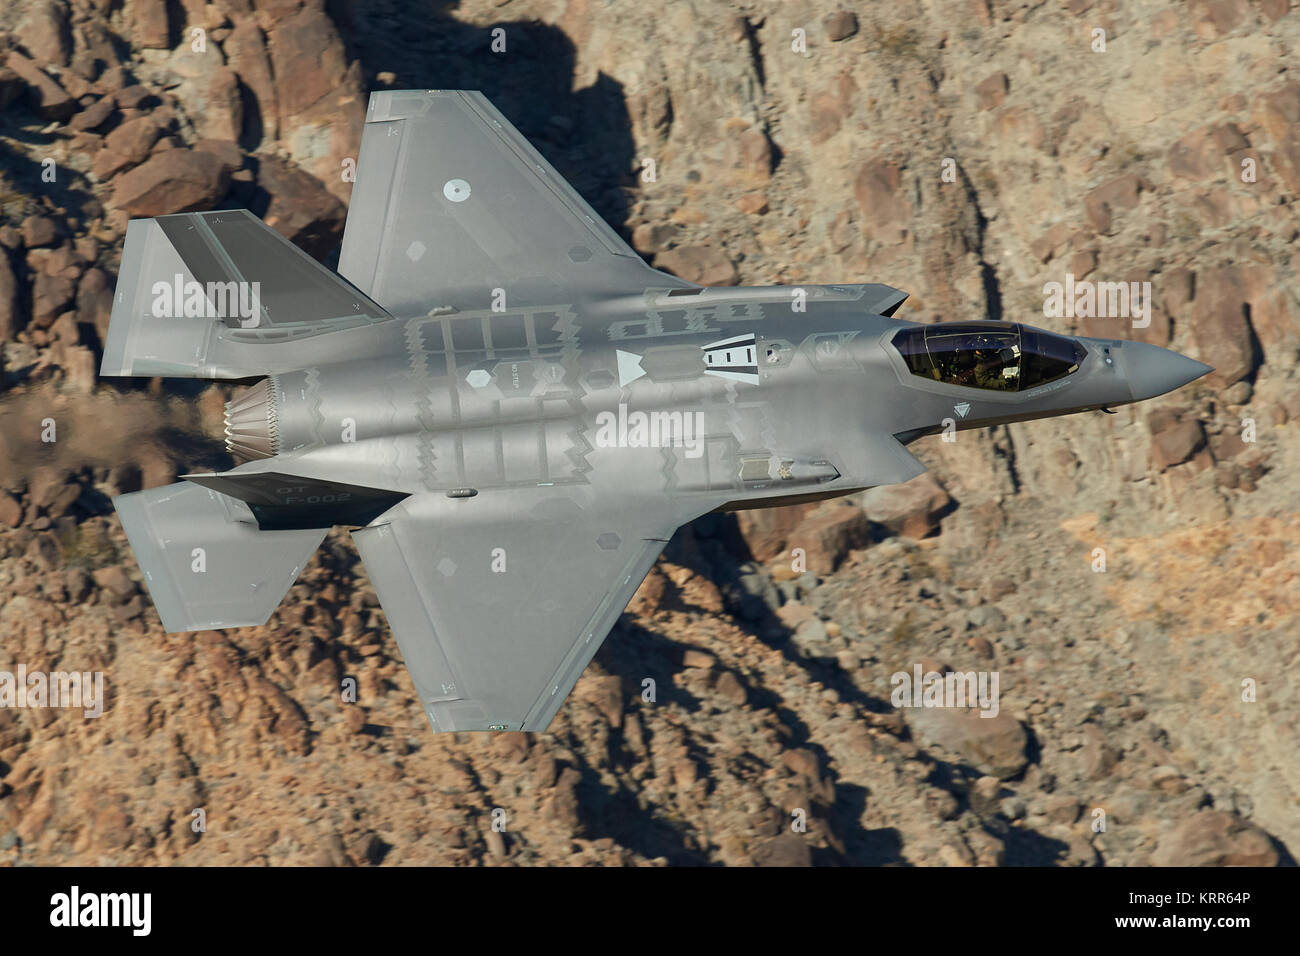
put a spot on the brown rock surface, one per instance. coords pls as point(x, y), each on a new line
point(841, 25)
point(705, 265)
point(151, 24)
point(878, 190)
point(995, 745)
point(1220, 327)
point(174, 181)
point(50, 100)
point(992, 90)
point(43, 32)
point(1214, 838)
point(828, 533)
point(912, 508)
point(1176, 443)
point(127, 146)
point(10, 320)
point(301, 209)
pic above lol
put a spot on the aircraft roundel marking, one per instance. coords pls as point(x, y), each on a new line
point(456, 190)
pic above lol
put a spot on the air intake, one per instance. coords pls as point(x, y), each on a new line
point(250, 423)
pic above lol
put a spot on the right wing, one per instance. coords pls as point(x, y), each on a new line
point(497, 614)
point(451, 202)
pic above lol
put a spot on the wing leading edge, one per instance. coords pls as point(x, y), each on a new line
point(497, 616)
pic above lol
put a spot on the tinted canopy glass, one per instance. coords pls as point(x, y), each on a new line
point(1046, 356)
point(998, 356)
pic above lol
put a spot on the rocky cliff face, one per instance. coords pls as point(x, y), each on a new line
point(969, 151)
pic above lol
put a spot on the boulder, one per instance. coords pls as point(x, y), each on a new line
point(150, 25)
point(992, 90)
point(51, 296)
point(912, 509)
point(246, 54)
point(705, 265)
point(127, 146)
point(48, 99)
point(222, 115)
point(841, 25)
point(829, 107)
point(788, 849)
point(308, 49)
point(1200, 155)
point(828, 533)
point(11, 511)
point(1191, 156)
point(39, 231)
point(80, 366)
point(178, 180)
point(94, 116)
point(114, 580)
point(1215, 838)
point(878, 189)
point(43, 32)
point(651, 237)
point(993, 745)
point(605, 694)
point(751, 153)
point(1176, 443)
point(1114, 195)
point(230, 155)
point(301, 209)
point(1279, 112)
point(767, 530)
point(321, 112)
point(10, 318)
point(95, 301)
point(1219, 326)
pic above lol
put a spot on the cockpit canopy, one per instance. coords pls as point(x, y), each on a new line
point(1002, 356)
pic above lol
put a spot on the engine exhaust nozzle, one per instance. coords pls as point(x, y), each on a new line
point(251, 426)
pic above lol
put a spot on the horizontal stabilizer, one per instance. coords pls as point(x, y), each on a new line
point(196, 290)
point(204, 560)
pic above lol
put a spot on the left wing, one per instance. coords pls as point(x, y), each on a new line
point(497, 612)
point(451, 202)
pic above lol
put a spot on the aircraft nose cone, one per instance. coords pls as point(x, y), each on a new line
point(1153, 371)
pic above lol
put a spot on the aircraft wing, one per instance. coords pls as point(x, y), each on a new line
point(497, 616)
point(451, 202)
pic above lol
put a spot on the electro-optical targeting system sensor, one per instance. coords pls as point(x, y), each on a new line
point(514, 412)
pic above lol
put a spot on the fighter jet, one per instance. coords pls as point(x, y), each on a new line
point(513, 413)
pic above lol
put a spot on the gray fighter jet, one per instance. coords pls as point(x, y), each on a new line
point(514, 412)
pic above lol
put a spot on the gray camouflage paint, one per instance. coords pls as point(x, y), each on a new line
point(503, 531)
